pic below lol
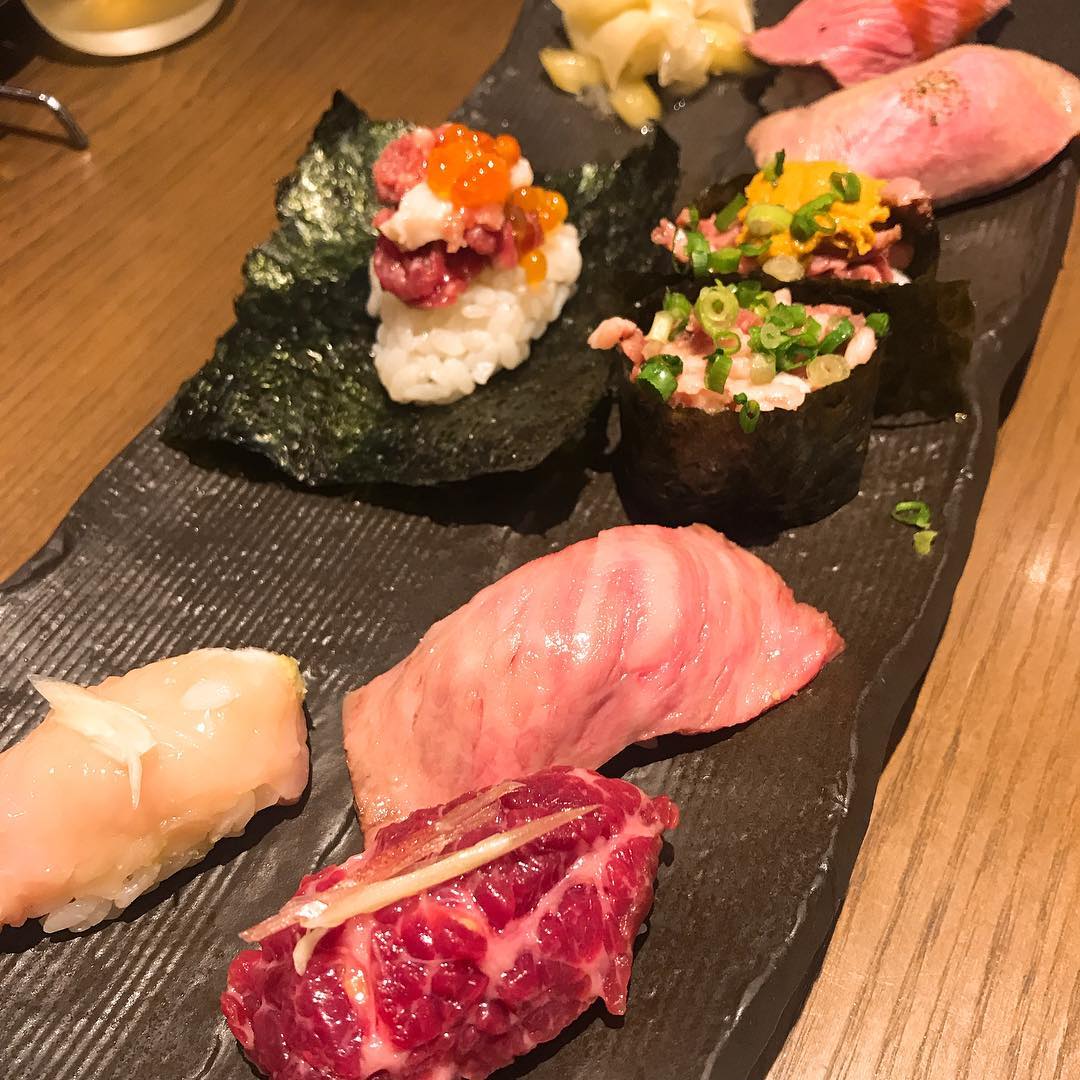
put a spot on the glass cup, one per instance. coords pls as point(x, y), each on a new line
point(122, 27)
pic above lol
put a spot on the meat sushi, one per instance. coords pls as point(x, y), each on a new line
point(856, 40)
point(804, 219)
point(745, 410)
point(473, 261)
point(638, 632)
point(462, 938)
point(124, 783)
point(966, 123)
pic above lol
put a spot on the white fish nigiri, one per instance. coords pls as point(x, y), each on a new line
point(124, 783)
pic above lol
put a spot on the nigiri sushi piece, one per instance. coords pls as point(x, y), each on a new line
point(462, 938)
point(124, 783)
point(856, 40)
point(968, 122)
point(638, 632)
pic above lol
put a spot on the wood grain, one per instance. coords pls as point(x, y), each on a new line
point(957, 954)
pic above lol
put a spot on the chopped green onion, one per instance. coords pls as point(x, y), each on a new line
point(724, 260)
point(755, 251)
point(793, 359)
point(676, 304)
point(770, 335)
point(717, 369)
point(839, 335)
point(827, 369)
point(663, 326)
point(879, 323)
point(775, 169)
point(788, 316)
point(697, 250)
point(717, 310)
point(661, 373)
point(695, 216)
point(729, 341)
point(913, 512)
point(811, 332)
point(725, 218)
point(784, 268)
point(807, 221)
point(762, 369)
point(765, 219)
point(923, 540)
point(748, 413)
point(749, 292)
point(848, 186)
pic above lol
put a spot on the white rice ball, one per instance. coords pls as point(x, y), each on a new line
point(433, 356)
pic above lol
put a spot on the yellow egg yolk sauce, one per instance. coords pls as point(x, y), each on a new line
point(798, 184)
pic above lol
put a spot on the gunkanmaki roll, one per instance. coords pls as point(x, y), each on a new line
point(742, 408)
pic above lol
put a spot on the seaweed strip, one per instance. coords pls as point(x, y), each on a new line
point(292, 381)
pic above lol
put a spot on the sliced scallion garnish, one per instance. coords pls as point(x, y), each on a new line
point(749, 412)
point(826, 369)
point(912, 512)
point(775, 169)
point(697, 251)
point(923, 540)
point(678, 306)
point(839, 335)
point(717, 370)
point(848, 186)
point(724, 260)
point(717, 310)
point(662, 374)
point(755, 251)
point(879, 323)
point(725, 218)
point(762, 369)
point(765, 219)
point(695, 216)
point(749, 292)
point(663, 326)
point(809, 219)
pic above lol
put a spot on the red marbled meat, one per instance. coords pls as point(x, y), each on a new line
point(459, 980)
point(967, 122)
point(856, 40)
point(638, 632)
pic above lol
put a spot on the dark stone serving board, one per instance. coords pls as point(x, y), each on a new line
point(162, 555)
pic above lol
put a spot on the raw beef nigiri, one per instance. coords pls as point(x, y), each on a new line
point(457, 974)
point(855, 40)
point(124, 783)
point(638, 632)
point(970, 121)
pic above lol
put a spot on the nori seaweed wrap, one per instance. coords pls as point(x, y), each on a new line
point(757, 436)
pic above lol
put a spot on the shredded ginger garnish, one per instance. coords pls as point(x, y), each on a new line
point(318, 916)
point(119, 732)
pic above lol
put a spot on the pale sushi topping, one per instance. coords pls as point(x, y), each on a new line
point(617, 44)
point(117, 731)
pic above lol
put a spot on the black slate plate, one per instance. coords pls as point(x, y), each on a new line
point(161, 555)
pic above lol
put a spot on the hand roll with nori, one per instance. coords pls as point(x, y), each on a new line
point(743, 409)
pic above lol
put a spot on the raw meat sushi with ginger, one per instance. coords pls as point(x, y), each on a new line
point(856, 40)
point(638, 632)
point(968, 122)
point(458, 977)
point(124, 783)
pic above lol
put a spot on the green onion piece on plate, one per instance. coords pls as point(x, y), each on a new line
point(839, 335)
point(762, 369)
point(717, 310)
point(749, 412)
point(662, 374)
point(724, 260)
point(775, 169)
point(879, 323)
point(827, 369)
point(913, 512)
point(848, 186)
point(717, 370)
point(923, 540)
point(726, 218)
point(767, 220)
point(678, 306)
point(811, 218)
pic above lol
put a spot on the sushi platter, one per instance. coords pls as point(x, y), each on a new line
point(654, 523)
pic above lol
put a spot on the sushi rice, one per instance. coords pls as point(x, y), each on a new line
point(433, 356)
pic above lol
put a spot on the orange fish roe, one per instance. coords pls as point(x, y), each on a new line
point(470, 168)
point(549, 206)
point(535, 266)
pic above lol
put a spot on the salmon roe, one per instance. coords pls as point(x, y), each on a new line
point(534, 264)
point(470, 168)
point(549, 206)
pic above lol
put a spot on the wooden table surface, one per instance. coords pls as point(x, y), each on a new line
point(957, 954)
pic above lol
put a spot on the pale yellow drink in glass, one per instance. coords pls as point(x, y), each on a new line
point(122, 27)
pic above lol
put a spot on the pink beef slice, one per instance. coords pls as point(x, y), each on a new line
point(428, 277)
point(638, 632)
point(401, 164)
point(460, 980)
